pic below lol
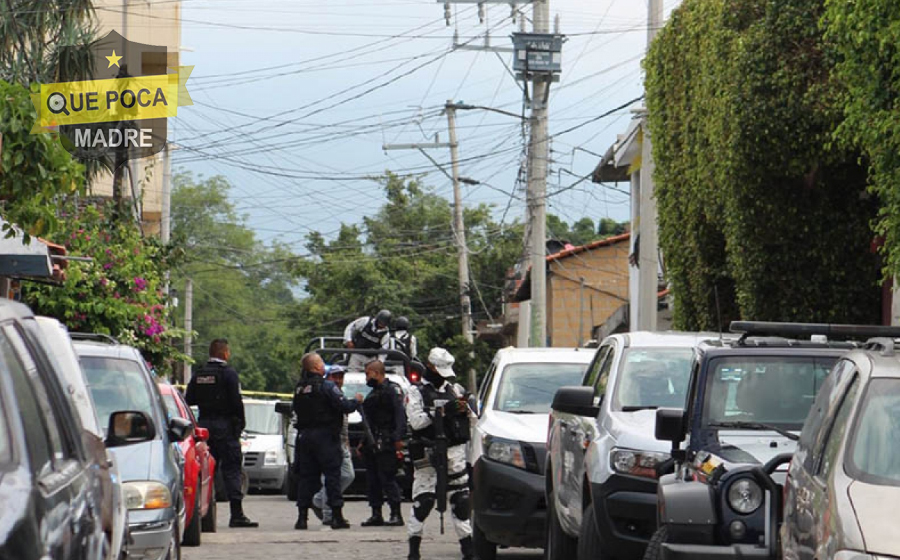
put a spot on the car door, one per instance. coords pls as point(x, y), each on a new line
point(64, 494)
point(573, 432)
point(807, 491)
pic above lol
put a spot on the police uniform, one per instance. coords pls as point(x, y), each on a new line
point(420, 404)
point(386, 417)
point(365, 334)
point(216, 391)
point(319, 406)
point(406, 342)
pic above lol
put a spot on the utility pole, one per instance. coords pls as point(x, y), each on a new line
point(188, 326)
point(459, 229)
point(648, 271)
point(538, 156)
point(165, 224)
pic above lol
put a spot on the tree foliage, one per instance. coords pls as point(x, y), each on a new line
point(864, 39)
point(404, 259)
point(241, 286)
point(755, 203)
point(119, 292)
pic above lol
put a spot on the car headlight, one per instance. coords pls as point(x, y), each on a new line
point(504, 451)
point(636, 463)
point(745, 496)
point(271, 457)
point(147, 495)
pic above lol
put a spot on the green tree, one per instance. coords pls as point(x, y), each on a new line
point(756, 205)
point(241, 286)
point(403, 258)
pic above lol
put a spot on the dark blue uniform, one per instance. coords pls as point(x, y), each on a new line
point(216, 391)
point(320, 407)
point(386, 416)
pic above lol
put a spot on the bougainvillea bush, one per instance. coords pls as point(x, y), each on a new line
point(119, 292)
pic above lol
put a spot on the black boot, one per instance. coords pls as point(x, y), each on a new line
point(302, 520)
point(414, 544)
point(317, 512)
point(396, 519)
point(468, 551)
point(376, 520)
point(238, 519)
point(337, 519)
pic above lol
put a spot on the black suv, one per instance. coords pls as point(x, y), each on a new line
point(748, 400)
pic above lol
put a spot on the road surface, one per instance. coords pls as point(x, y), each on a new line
point(276, 538)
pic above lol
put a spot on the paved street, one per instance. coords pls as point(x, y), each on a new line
point(276, 538)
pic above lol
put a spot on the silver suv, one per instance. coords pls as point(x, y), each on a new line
point(602, 456)
point(843, 486)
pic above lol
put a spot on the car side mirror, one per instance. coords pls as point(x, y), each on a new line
point(283, 407)
point(180, 429)
point(202, 434)
point(670, 425)
point(127, 427)
point(577, 400)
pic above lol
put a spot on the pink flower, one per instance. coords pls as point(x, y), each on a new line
point(107, 266)
point(139, 284)
point(104, 282)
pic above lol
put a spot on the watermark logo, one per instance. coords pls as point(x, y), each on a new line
point(121, 113)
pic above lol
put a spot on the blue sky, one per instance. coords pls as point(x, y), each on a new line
point(293, 101)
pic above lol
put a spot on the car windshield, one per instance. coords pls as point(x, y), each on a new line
point(653, 378)
point(171, 406)
point(350, 389)
point(115, 385)
point(262, 418)
point(874, 455)
point(778, 390)
point(529, 388)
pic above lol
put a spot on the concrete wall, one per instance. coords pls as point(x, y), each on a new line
point(605, 273)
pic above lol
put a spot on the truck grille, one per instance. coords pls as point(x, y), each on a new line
point(252, 459)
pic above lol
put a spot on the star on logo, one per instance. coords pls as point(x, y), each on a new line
point(113, 59)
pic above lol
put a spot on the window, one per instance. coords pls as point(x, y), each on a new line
point(873, 454)
point(603, 375)
point(835, 440)
point(262, 418)
point(5, 438)
point(172, 409)
point(529, 388)
point(776, 390)
point(485, 391)
point(117, 385)
point(593, 373)
point(653, 378)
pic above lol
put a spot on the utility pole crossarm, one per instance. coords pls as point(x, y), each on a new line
point(415, 146)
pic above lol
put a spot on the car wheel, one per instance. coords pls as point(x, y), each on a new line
point(557, 545)
point(292, 486)
point(589, 540)
point(192, 532)
point(654, 549)
point(208, 523)
point(174, 552)
point(484, 549)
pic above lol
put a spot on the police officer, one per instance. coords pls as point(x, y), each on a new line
point(216, 391)
point(438, 386)
point(386, 418)
point(368, 333)
point(320, 507)
point(319, 406)
point(403, 340)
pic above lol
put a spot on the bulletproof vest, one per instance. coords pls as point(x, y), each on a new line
point(456, 425)
point(379, 408)
point(313, 407)
point(369, 337)
point(402, 343)
point(209, 390)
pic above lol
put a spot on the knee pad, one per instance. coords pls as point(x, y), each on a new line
point(460, 505)
point(422, 505)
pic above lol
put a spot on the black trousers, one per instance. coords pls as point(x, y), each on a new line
point(318, 453)
point(381, 477)
point(226, 449)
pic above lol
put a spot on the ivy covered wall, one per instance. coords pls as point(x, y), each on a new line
point(756, 203)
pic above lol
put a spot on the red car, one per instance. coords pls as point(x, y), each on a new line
point(199, 471)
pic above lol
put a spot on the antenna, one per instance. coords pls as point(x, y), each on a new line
point(718, 313)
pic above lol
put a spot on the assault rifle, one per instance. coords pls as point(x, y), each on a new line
point(367, 431)
point(439, 459)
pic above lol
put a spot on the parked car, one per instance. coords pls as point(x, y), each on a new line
point(508, 445)
point(843, 485)
point(51, 486)
point(55, 338)
point(199, 470)
point(151, 470)
point(747, 403)
point(602, 453)
point(264, 447)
